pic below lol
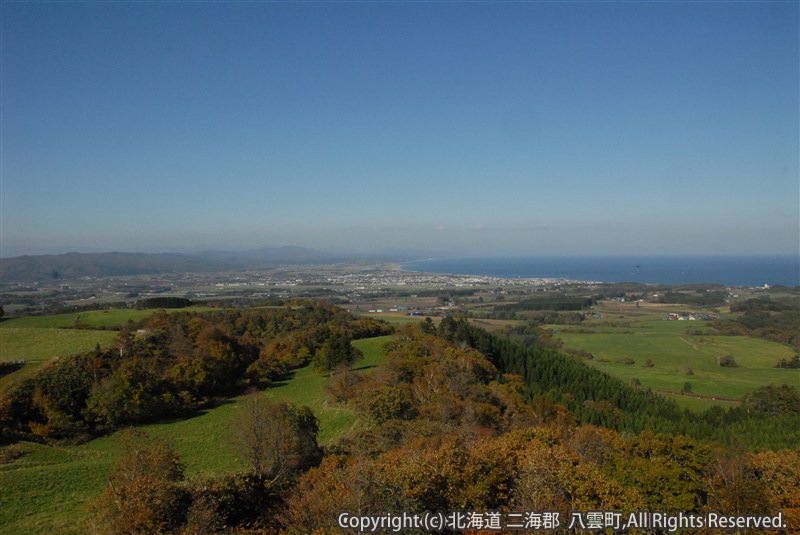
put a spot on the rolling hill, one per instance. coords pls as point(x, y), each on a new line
point(76, 265)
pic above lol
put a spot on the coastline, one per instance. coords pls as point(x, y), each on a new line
point(723, 270)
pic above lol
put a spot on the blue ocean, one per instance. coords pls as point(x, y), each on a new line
point(772, 270)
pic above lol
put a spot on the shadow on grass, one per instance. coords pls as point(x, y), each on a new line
point(189, 414)
point(283, 380)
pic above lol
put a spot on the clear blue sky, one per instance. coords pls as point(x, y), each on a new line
point(475, 128)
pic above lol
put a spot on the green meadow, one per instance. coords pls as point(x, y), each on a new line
point(97, 319)
point(635, 344)
point(92, 319)
point(307, 387)
point(48, 489)
point(43, 343)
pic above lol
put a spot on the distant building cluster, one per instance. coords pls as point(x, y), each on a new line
point(689, 316)
point(407, 278)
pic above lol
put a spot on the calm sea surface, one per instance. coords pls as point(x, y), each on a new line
point(728, 270)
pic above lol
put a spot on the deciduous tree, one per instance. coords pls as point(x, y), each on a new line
point(143, 494)
point(276, 439)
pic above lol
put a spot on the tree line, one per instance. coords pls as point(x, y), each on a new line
point(171, 364)
point(774, 320)
point(598, 398)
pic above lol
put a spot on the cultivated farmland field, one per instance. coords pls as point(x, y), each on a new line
point(639, 344)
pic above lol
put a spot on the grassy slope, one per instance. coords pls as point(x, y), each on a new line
point(38, 344)
point(673, 352)
point(48, 489)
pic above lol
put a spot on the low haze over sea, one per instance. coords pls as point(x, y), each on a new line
point(758, 270)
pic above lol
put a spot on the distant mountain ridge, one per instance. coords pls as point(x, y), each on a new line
point(76, 265)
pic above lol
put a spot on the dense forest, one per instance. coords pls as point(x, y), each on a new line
point(457, 420)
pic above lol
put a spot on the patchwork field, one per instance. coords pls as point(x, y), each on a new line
point(638, 344)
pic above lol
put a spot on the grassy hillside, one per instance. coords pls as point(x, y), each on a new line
point(48, 489)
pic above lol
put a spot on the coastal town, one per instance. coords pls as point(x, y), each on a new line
point(336, 281)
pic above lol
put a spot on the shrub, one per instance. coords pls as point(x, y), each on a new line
point(794, 363)
point(10, 453)
point(143, 495)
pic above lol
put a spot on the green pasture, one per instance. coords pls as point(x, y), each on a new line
point(307, 387)
point(373, 350)
point(41, 344)
point(678, 357)
point(48, 489)
point(97, 319)
point(38, 345)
